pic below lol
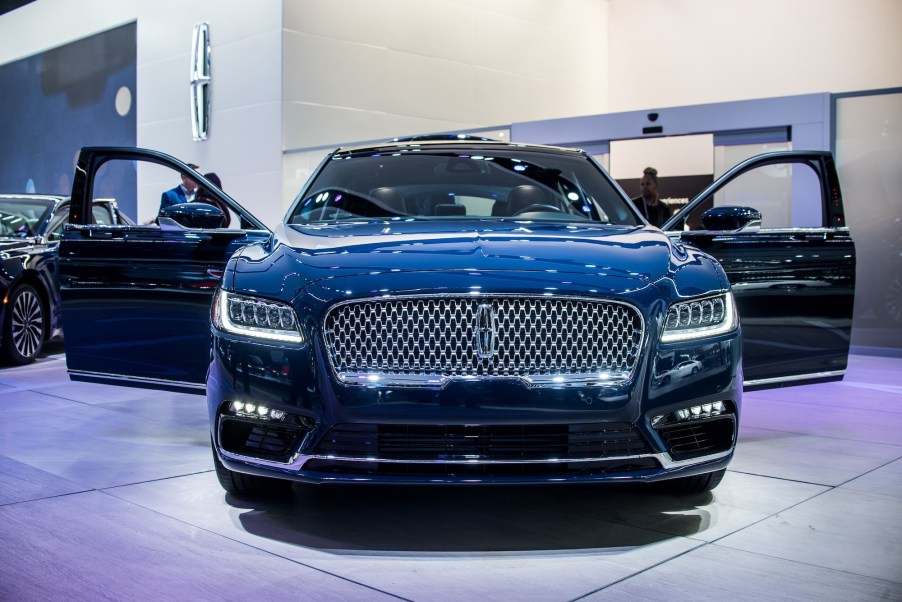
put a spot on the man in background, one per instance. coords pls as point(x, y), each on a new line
point(182, 193)
point(649, 203)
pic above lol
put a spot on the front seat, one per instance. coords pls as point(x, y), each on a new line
point(523, 196)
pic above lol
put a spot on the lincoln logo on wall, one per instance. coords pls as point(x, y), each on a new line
point(200, 81)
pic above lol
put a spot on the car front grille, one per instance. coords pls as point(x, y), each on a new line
point(430, 340)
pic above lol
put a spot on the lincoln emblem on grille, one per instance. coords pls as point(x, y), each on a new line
point(486, 331)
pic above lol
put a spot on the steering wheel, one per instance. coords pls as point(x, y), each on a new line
point(538, 208)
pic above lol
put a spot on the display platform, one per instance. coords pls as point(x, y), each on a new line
point(109, 493)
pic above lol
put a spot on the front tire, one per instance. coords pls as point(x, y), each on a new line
point(699, 483)
point(23, 325)
point(248, 485)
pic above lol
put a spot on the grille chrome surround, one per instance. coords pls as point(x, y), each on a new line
point(429, 341)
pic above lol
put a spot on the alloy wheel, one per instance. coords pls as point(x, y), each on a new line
point(893, 300)
point(27, 325)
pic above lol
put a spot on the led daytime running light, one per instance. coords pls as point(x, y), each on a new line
point(699, 412)
point(251, 410)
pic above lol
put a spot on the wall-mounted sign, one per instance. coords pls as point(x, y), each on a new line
point(200, 81)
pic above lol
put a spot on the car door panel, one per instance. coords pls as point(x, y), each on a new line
point(137, 297)
point(794, 287)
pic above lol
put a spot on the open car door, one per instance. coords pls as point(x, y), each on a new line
point(776, 224)
point(136, 298)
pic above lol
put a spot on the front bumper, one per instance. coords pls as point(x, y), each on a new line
point(468, 432)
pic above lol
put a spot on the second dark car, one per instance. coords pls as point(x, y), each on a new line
point(30, 227)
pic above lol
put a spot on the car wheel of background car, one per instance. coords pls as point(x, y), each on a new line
point(695, 484)
point(246, 485)
point(892, 306)
point(23, 326)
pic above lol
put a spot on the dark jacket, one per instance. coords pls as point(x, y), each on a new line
point(173, 197)
point(655, 214)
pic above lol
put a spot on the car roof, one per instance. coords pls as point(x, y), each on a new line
point(458, 144)
point(31, 195)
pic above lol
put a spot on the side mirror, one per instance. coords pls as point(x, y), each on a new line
point(730, 218)
point(194, 215)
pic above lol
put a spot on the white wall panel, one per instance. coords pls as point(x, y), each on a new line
point(247, 72)
point(447, 30)
point(382, 67)
point(444, 89)
point(362, 21)
point(332, 72)
point(681, 52)
point(523, 96)
point(507, 43)
point(167, 74)
point(323, 125)
point(682, 156)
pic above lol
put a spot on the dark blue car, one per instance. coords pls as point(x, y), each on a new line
point(460, 312)
point(30, 226)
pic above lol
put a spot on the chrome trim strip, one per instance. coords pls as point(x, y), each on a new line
point(795, 377)
point(438, 380)
point(378, 379)
point(298, 460)
point(140, 379)
point(667, 462)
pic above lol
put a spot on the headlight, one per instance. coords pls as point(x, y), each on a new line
point(699, 318)
point(257, 318)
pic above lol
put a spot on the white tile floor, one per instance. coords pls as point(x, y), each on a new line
point(107, 493)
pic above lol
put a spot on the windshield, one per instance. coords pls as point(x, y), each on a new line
point(21, 217)
point(443, 183)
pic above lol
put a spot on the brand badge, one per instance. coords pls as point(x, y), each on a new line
point(486, 331)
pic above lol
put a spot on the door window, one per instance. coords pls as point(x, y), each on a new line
point(787, 194)
point(148, 185)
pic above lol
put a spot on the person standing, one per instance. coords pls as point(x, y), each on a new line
point(182, 193)
point(203, 196)
point(648, 202)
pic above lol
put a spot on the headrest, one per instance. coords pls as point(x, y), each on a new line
point(523, 196)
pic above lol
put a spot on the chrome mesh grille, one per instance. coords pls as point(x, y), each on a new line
point(414, 340)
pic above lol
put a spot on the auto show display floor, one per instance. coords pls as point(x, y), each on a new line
point(109, 493)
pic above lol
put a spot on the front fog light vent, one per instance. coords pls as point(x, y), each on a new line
point(699, 412)
point(252, 410)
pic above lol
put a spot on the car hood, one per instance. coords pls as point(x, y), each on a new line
point(340, 250)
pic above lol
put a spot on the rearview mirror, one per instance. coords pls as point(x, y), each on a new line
point(194, 215)
point(727, 217)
